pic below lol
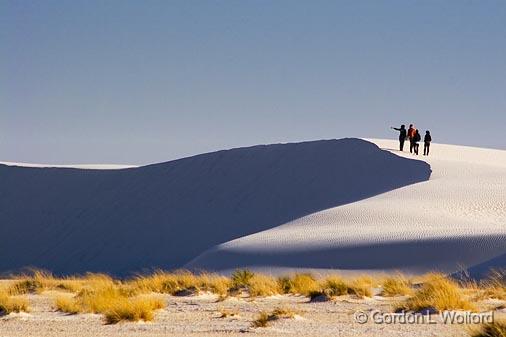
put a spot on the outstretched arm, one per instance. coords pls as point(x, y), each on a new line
point(396, 129)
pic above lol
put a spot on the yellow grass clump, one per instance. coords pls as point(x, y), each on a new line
point(132, 310)
point(263, 285)
point(10, 304)
point(494, 329)
point(440, 293)
point(494, 286)
point(68, 305)
point(42, 280)
point(333, 286)
point(304, 284)
point(361, 286)
point(264, 318)
point(172, 283)
point(102, 295)
point(224, 313)
point(241, 278)
point(396, 286)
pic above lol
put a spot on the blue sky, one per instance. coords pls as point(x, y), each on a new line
point(148, 81)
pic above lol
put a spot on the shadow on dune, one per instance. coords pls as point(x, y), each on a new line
point(412, 256)
point(163, 215)
point(482, 270)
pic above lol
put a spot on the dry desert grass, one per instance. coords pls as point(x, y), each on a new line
point(135, 298)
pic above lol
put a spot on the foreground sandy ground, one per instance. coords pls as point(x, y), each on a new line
point(201, 316)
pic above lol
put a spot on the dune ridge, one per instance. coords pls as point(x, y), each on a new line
point(455, 220)
point(71, 220)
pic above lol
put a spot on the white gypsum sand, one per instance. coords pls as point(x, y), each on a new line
point(77, 166)
point(456, 219)
point(164, 215)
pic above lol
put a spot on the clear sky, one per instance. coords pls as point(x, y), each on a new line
point(148, 81)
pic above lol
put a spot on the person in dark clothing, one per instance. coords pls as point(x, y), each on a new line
point(402, 135)
point(411, 136)
point(426, 143)
point(416, 139)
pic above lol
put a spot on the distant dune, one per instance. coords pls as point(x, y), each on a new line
point(457, 219)
point(320, 204)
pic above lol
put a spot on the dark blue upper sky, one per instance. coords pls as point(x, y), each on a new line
point(147, 81)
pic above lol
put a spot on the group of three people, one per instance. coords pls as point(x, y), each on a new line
point(414, 137)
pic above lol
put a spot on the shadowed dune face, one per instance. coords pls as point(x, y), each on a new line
point(410, 256)
point(163, 215)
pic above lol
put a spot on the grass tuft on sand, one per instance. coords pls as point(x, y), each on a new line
point(438, 292)
point(176, 282)
point(9, 304)
point(397, 285)
point(264, 318)
point(103, 296)
point(494, 329)
point(304, 284)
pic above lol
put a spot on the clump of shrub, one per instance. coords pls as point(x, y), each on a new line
point(173, 283)
point(264, 318)
point(224, 313)
point(437, 292)
point(40, 280)
point(68, 305)
point(361, 286)
point(135, 309)
point(263, 285)
point(103, 296)
point(254, 284)
point(241, 278)
point(494, 329)
point(334, 286)
point(285, 284)
point(396, 286)
point(494, 286)
point(304, 284)
point(9, 304)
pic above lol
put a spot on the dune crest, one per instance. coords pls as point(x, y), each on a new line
point(454, 220)
point(164, 215)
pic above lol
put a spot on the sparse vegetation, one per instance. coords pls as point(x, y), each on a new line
point(495, 329)
point(361, 286)
point(263, 285)
point(495, 285)
point(264, 318)
point(132, 309)
point(172, 283)
point(241, 278)
point(396, 286)
point(437, 292)
point(334, 286)
point(115, 300)
point(304, 284)
point(224, 313)
point(133, 299)
point(10, 304)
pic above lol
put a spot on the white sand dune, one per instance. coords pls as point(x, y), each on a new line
point(337, 204)
point(456, 219)
point(78, 166)
point(164, 215)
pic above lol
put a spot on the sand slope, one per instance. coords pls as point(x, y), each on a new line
point(456, 219)
point(73, 220)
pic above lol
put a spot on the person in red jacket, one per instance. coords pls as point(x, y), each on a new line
point(411, 136)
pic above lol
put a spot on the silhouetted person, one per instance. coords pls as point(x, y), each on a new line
point(416, 139)
point(402, 135)
point(426, 143)
point(411, 136)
